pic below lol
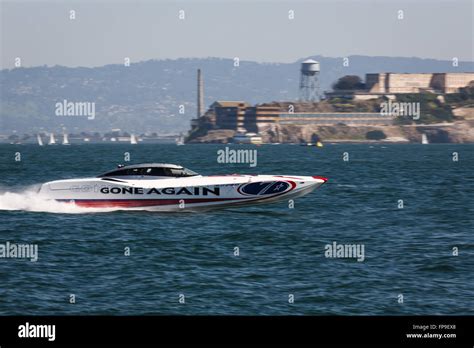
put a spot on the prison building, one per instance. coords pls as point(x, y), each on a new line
point(395, 83)
point(208, 117)
point(261, 114)
point(229, 114)
point(236, 115)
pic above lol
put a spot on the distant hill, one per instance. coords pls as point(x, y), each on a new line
point(146, 96)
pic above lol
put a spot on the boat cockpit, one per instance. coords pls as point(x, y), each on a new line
point(152, 170)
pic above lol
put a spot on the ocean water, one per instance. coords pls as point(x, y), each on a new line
point(408, 251)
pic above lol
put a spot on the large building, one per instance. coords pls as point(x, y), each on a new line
point(229, 114)
point(261, 114)
point(390, 84)
point(237, 115)
point(395, 83)
point(223, 115)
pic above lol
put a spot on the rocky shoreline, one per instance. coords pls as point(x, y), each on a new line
point(461, 131)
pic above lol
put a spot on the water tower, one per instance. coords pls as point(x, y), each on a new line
point(309, 81)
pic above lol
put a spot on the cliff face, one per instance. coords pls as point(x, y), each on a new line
point(220, 136)
point(456, 132)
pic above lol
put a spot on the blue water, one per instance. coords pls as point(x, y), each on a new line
point(408, 251)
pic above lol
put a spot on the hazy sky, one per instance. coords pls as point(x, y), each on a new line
point(104, 32)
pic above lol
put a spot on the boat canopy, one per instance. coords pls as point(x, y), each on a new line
point(150, 169)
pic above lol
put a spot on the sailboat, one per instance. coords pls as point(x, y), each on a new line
point(424, 139)
point(40, 141)
point(180, 140)
point(66, 139)
point(51, 139)
point(133, 139)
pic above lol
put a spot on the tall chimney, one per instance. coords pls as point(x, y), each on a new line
point(200, 95)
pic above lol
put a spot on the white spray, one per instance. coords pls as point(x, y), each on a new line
point(29, 199)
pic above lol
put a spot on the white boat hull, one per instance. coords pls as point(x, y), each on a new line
point(175, 194)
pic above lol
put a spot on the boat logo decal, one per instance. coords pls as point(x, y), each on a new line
point(264, 188)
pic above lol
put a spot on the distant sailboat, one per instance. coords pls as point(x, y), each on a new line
point(180, 140)
point(51, 139)
point(66, 139)
point(133, 139)
point(40, 141)
point(424, 139)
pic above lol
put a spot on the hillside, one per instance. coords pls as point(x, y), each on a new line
point(146, 96)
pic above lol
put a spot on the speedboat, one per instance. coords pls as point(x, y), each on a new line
point(162, 187)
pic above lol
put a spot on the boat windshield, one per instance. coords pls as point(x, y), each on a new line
point(151, 171)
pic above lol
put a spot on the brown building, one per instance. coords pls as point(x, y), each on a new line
point(261, 114)
point(229, 114)
point(236, 115)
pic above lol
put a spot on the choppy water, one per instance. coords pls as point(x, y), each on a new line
point(407, 251)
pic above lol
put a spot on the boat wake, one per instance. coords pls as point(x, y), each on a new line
point(28, 199)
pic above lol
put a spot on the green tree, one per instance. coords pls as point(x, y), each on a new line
point(349, 82)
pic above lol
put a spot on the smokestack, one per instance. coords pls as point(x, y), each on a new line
point(200, 95)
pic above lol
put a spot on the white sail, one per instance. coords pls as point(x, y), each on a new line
point(133, 139)
point(51, 139)
point(180, 140)
point(424, 139)
point(65, 139)
point(40, 141)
